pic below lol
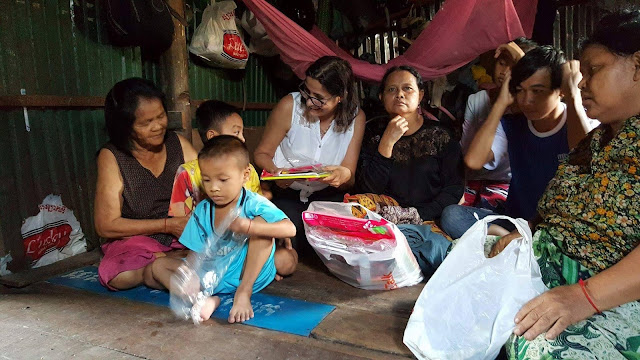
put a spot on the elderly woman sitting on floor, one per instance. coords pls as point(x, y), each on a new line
point(135, 178)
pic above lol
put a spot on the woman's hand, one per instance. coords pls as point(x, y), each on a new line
point(396, 128)
point(339, 175)
point(552, 312)
point(503, 242)
point(175, 225)
point(505, 98)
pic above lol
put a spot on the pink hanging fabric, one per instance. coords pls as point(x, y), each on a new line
point(459, 32)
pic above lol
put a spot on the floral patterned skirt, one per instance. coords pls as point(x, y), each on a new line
point(614, 334)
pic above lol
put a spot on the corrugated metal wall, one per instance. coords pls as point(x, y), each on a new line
point(384, 46)
point(48, 47)
point(59, 47)
point(250, 85)
point(572, 24)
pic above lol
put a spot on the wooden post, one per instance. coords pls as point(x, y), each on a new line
point(174, 73)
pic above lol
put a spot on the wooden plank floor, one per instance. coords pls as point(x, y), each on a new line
point(45, 321)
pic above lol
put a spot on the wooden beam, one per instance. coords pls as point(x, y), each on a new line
point(24, 278)
point(70, 102)
point(174, 71)
point(51, 101)
point(562, 3)
point(239, 105)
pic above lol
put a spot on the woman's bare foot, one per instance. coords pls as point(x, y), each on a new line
point(210, 305)
point(241, 310)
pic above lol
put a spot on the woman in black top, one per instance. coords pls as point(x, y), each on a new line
point(133, 189)
point(411, 158)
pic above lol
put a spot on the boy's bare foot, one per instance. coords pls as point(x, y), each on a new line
point(210, 305)
point(241, 310)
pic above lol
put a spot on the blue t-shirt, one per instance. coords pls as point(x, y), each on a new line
point(534, 159)
point(200, 227)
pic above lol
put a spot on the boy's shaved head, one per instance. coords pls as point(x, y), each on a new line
point(225, 145)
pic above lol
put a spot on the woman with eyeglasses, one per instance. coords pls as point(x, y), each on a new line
point(408, 154)
point(320, 124)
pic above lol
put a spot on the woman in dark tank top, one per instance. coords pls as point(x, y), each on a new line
point(135, 178)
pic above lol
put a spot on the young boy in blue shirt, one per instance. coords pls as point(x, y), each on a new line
point(224, 164)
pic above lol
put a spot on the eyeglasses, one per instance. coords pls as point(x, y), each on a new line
point(314, 100)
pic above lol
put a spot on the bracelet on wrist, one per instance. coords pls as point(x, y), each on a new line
point(586, 294)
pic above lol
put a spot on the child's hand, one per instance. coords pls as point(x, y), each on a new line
point(511, 49)
point(283, 184)
point(240, 225)
point(505, 97)
point(266, 190)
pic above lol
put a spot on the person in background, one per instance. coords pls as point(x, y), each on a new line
point(488, 186)
point(214, 118)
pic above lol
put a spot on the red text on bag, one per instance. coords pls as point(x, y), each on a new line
point(37, 245)
point(233, 46)
point(391, 282)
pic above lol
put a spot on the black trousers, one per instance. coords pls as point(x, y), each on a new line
point(288, 200)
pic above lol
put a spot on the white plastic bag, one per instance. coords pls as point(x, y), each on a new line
point(467, 308)
point(52, 235)
point(259, 42)
point(368, 253)
point(216, 40)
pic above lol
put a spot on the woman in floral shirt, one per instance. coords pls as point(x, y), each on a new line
point(587, 240)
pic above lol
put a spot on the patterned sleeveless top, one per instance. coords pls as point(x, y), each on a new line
point(146, 196)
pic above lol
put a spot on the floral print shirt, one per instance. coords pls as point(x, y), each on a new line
point(590, 207)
